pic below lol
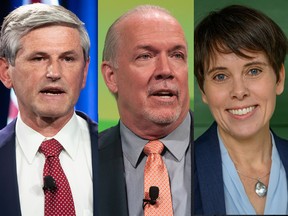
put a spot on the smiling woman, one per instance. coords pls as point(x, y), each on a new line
point(279, 123)
point(255, 92)
point(239, 66)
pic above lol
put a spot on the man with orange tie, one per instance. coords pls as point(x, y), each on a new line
point(145, 161)
point(48, 155)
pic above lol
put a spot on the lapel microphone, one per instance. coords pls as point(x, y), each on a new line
point(49, 183)
point(153, 194)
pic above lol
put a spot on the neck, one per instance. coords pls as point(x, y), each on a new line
point(47, 126)
point(151, 131)
point(253, 151)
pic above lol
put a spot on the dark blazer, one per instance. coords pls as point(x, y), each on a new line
point(112, 184)
point(9, 194)
point(208, 180)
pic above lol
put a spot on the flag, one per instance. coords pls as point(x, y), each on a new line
point(86, 10)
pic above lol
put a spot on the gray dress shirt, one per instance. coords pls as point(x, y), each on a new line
point(177, 157)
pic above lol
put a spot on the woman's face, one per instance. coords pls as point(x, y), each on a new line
point(241, 93)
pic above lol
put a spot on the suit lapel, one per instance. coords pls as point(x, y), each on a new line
point(94, 149)
point(9, 194)
point(192, 160)
point(209, 172)
point(111, 172)
point(282, 148)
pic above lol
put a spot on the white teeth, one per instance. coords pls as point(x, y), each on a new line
point(47, 93)
point(242, 111)
point(164, 96)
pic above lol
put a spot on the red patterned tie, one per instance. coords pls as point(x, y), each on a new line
point(155, 174)
point(59, 201)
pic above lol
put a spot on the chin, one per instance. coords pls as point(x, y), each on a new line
point(243, 134)
point(163, 117)
point(53, 113)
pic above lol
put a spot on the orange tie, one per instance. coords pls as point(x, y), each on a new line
point(155, 174)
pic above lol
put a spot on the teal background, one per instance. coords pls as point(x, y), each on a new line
point(278, 11)
point(108, 12)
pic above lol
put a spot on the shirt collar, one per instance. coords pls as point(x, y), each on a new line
point(30, 140)
point(176, 142)
point(132, 144)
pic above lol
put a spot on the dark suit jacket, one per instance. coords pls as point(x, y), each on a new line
point(208, 180)
point(9, 194)
point(112, 185)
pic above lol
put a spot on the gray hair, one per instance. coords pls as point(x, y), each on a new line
point(113, 34)
point(29, 17)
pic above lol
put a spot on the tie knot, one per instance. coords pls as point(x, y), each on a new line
point(153, 147)
point(51, 148)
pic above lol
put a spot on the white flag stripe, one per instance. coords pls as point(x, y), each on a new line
point(13, 107)
point(13, 97)
point(51, 2)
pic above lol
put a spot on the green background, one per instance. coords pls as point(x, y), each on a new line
point(275, 9)
point(108, 12)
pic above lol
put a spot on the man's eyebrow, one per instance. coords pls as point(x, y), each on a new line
point(152, 48)
point(178, 47)
point(38, 53)
point(45, 53)
point(145, 47)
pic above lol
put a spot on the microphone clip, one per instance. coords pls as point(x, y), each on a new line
point(153, 194)
point(49, 183)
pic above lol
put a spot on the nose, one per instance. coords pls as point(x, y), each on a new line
point(53, 71)
point(163, 68)
point(239, 89)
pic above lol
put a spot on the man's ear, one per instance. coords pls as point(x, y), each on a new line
point(86, 67)
point(5, 76)
point(109, 76)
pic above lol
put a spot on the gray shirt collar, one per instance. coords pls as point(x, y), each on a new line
point(176, 142)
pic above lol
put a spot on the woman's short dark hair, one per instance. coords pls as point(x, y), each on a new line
point(235, 29)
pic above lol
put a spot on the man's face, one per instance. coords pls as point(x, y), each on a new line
point(152, 72)
point(49, 72)
point(241, 93)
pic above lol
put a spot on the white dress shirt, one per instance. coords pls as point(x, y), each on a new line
point(75, 160)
